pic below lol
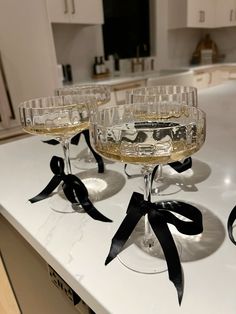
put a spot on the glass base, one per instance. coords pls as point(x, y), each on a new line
point(100, 186)
point(85, 160)
point(142, 258)
point(60, 204)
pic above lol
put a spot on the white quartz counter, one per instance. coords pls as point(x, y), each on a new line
point(76, 246)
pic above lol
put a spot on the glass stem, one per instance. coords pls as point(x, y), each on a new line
point(65, 145)
point(147, 174)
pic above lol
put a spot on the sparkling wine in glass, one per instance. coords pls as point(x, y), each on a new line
point(146, 134)
point(100, 185)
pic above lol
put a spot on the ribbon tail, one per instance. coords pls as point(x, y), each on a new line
point(45, 193)
point(93, 212)
point(98, 158)
point(51, 142)
point(167, 243)
point(123, 233)
point(75, 139)
point(131, 176)
point(181, 166)
point(230, 222)
point(77, 193)
point(154, 173)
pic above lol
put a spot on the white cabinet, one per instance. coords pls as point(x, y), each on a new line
point(225, 13)
point(28, 58)
point(213, 76)
point(76, 11)
point(201, 80)
point(176, 79)
point(191, 13)
point(118, 91)
point(201, 13)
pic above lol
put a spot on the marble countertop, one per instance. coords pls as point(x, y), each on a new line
point(76, 246)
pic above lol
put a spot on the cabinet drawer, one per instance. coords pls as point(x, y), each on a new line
point(119, 91)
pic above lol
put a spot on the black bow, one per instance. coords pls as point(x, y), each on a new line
point(75, 141)
point(230, 222)
point(74, 189)
point(159, 214)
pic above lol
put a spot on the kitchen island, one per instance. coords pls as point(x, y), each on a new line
point(76, 246)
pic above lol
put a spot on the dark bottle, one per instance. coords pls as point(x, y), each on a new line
point(69, 73)
point(96, 66)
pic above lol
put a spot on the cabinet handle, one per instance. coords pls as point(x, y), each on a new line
point(73, 6)
point(65, 6)
point(231, 15)
point(201, 16)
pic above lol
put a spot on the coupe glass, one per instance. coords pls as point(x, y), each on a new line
point(60, 117)
point(99, 185)
point(177, 94)
point(95, 95)
point(146, 134)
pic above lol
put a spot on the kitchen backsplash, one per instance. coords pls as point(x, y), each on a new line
point(225, 39)
point(181, 44)
point(77, 45)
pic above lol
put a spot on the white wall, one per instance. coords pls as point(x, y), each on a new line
point(78, 45)
point(181, 44)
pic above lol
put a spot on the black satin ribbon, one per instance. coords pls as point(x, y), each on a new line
point(98, 158)
point(131, 176)
point(74, 189)
point(159, 215)
point(75, 141)
point(230, 222)
point(177, 166)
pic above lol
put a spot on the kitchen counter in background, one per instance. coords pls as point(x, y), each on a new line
point(164, 73)
point(76, 246)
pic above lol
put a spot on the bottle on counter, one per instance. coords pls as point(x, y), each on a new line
point(96, 66)
point(102, 65)
point(116, 64)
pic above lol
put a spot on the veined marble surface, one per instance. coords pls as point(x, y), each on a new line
point(76, 246)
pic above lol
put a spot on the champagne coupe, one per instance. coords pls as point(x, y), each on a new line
point(60, 117)
point(95, 95)
point(185, 95)
point(146, 134)
point(99, 185)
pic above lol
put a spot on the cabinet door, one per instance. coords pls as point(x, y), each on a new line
point(27, 52)
point(201, 80)
point(59, 11)
point(191, 13)
point(86, 11)
point(118, 95)
point(225, 13)
point(201, 13)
